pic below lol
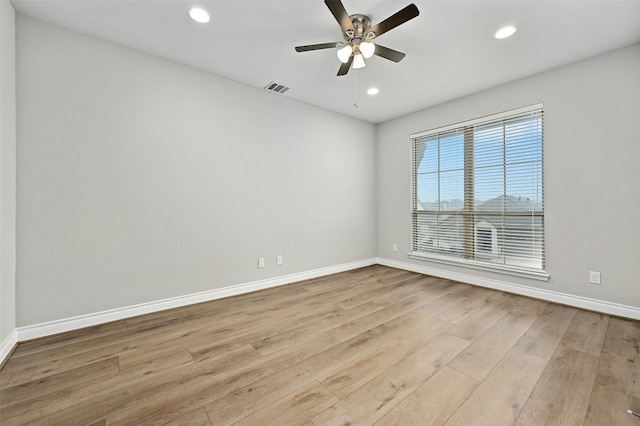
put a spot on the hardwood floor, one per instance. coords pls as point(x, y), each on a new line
point(371, 346)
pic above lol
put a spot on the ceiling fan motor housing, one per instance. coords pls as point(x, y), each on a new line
point(360, 32)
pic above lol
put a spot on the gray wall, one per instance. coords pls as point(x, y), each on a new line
point(141, 179)
point(7, 172)
point(591, 173)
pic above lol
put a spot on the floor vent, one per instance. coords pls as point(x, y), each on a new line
point(276, 87)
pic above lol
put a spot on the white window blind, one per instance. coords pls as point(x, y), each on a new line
point(477, 191)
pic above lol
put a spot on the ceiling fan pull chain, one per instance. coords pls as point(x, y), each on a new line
point(355, 88)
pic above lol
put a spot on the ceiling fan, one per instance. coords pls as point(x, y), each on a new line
point(358, 33)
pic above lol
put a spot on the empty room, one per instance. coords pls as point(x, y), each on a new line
point(308, 212)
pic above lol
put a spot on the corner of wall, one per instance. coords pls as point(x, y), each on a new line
point(7, 346)
point(8, 333)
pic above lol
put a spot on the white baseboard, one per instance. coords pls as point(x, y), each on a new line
point(36, 331)
point(69, 324)
point(548, 295)
point(7, 345)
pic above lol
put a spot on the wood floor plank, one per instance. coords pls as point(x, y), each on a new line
point(433, 402)
point(309, 328)
point(500, 397)
point(464, 290)
point(529, 306)
point(368, 404)
point(619, 373)
point(296, 408)
point(476, 298)
point(160, 362)
point(87, 351)
point(266, 305)
point(247, 400)
point(416, 318)
point(334, 296)
point(619, 366)
point(86, 400)
point(38, 388)
point(427, 287)
point(220, 341)
point(396, 289)
point(362, 324)
point(148, 353)
point(569, 376)
point(623, 338)
point(372, 345)
point(417, 322)
point(586, 332)
point(345, 282)
point(608, 407)
point(202, 389)
point(477, 360)
point(483, 318)
point(66, 339)
point(197, 417)
point(153, 395)
point(350, 376)
point(545, 334)
point(16, 376)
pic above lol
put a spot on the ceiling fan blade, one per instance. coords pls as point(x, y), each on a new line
point(393, 21)
point(390, 54)
point(344, 68)
point(340, 13)
point(315, 47)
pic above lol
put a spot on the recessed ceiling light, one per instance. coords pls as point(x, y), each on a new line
point(505, 32)
point(373, 91)
point(199, 15)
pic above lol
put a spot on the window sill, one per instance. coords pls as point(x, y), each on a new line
point(507, 270)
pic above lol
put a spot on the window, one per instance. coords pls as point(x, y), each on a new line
point(484, 240)
point(477, 193)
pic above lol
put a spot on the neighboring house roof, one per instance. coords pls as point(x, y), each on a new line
point(510, 204)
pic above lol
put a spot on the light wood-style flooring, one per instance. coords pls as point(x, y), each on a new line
point(371, 346)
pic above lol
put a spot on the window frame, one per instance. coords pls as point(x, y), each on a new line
point(466, 260)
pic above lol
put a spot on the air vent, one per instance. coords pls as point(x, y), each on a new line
point(276, 87)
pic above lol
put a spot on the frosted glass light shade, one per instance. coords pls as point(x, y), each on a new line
point(367, 49)
point(505, 32)
point(358, 61)
point(199, 15)
point(344, 53)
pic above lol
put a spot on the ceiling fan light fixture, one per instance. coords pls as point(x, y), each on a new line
point(199, 15)
point(358, 61)
point(505, 32)
point(344, 53)
point(367, 49)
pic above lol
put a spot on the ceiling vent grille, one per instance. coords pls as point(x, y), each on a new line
point(276, 87)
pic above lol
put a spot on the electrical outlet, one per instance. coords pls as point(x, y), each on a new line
point(594, 277)
point(261, 262)
point(279, 260)
point(395, 247)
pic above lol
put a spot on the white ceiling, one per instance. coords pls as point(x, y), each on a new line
point(451, 51)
